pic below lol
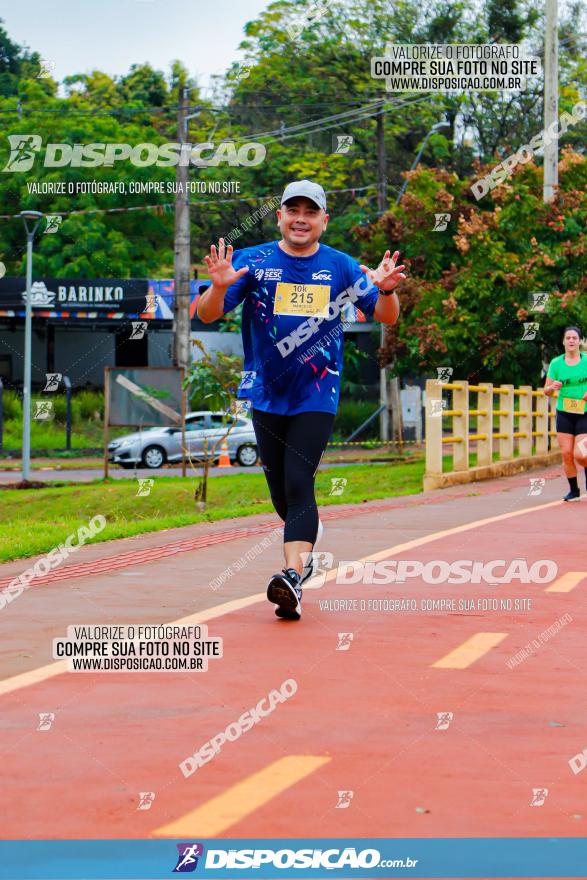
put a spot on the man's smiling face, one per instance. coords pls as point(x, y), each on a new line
point(301, 222)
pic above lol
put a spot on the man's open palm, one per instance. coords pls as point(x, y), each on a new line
point(387, 275)
point(220, 266)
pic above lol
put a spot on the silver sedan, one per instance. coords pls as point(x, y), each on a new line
point(153, 447)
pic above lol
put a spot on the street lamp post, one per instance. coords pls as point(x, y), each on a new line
point(34, 217)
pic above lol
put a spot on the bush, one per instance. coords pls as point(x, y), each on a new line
point(12, 406)
point(60, 407)
point(351, 414)
point(90, 403)
point(84, 407)
point(50, 433)
point(213, 380)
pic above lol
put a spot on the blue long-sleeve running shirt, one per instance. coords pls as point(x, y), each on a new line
point(292, 325)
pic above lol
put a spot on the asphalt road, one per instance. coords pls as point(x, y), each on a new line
point(86, 475)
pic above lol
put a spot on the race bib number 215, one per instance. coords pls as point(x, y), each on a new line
point(301, 299)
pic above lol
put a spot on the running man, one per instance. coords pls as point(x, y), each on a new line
point(294, 292)
point(567, 374)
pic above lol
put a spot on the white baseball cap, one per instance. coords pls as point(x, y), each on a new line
point(308, 190)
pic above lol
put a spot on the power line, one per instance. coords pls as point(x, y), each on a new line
point(279, 131)
point(365, 112)
point(357, 118)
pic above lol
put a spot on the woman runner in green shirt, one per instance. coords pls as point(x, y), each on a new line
point(567, 374)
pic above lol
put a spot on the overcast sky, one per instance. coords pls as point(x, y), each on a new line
point(110, 35)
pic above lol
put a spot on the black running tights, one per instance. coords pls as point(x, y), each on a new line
point(291, 448)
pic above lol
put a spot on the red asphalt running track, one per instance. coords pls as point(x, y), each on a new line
point(362, 720)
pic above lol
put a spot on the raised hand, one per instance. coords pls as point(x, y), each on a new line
point(387, 275)
point(220, 266)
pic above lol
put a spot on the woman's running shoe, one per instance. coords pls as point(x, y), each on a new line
point(573, 495)
point(284, 591)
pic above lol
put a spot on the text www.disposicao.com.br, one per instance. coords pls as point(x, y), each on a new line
point(143, 664)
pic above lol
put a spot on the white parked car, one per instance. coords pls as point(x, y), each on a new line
point(154, 447)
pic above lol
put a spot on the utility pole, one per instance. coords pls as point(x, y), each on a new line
point(389, 391)
point(181, 302)
point(381, 208)
point(550, 98)
point(381, 164)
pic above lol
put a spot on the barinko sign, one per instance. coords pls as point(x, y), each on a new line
point(102, 296)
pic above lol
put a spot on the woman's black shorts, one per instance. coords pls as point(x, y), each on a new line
point(571, 423)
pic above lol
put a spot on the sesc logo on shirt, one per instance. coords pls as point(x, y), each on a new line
point(322, 275)
point(268, 274)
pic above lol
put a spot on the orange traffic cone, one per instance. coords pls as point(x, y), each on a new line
point(224, 460)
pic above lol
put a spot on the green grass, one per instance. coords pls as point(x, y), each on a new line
point(87, 429)
point(33, 521)
point(51, 435)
